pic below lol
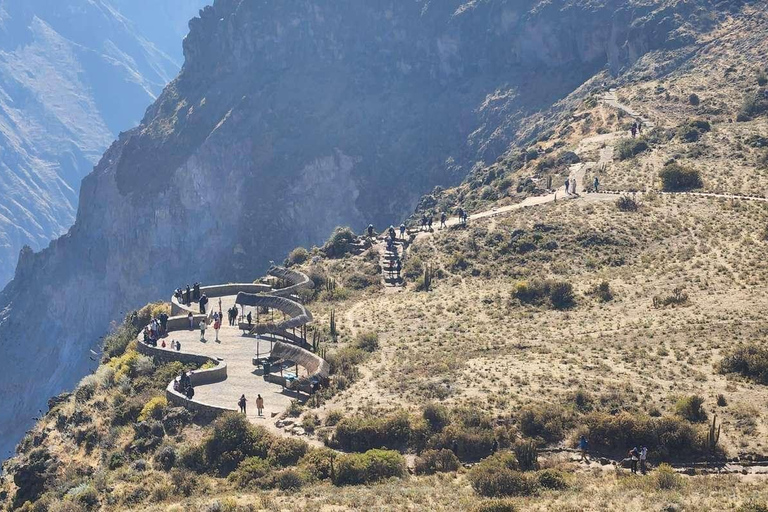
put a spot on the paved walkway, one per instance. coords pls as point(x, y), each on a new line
point(237, 352)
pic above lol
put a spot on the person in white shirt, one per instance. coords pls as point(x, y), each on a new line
point(643, 460)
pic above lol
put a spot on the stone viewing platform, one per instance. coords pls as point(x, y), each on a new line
point(230, 364)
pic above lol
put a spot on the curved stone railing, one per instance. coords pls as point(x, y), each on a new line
point(299, 281)
point(297, 313)
point(318, 369)
point(222, 290)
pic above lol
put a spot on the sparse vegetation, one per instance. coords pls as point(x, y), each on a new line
point(676, 178)
point(750, 360)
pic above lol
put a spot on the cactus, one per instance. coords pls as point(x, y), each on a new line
point(713, 436)
point(315, 342)
point(428, 274)
point(330, 285)
point(334, 331)
point(527, 456)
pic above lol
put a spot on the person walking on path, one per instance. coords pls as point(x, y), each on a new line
point(429, 223)
point(643, 460)
point(461, 215)
point(574, 187)
point(191, 319)
point(567, 187)
point(634, 456)
point(392, 234)
point(242, 403)
point(203, 326)
point(203, 302)
point(260, 405)
point(187, 296)
point(634, 130)
point(465, 217)
point(399, 268)
point(597, 184)
point(370, 230)
point(584, 448)
point(443, 218)
point(216, 327)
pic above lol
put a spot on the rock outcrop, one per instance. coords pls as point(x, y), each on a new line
point(288, 119)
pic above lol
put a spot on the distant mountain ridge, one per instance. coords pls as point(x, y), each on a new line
point(73, 74)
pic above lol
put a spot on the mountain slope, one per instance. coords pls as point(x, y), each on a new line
point(289, 119)
point(72, 76)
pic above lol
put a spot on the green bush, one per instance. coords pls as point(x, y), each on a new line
point(154, 409)
point(251, 472)
point(675, 178)
point(361, 433)
point(753, 507)
point(690, 408)
point(233, 440)
point(467, 442)
point(498, 476)
point(755, 104)
point(286, 451)
point(193, 459)
point(666, 478)
point(367, 341)
point(339, 243)
point(559, 294)
point(345, 361)
point(288, 480)
point(369, 467)
point(318, 463)
point(547, 422)
point(85, 495)
point(750, 360)
point(361, 281)
point(436, 461)
point(436, 416)
point(496, 506)
point(298, 256)
point(552, 479)
point(694, 100)
point(668, 436)
point(628, 148)
point(165, 458)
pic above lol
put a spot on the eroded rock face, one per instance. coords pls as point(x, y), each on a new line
point(288, 119)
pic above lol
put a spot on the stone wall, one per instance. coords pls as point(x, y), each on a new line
point(221, 290)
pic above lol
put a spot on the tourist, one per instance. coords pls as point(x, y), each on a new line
point(190, 392)
point(221, 312)
point(191, 319)
point(259, 405)
point(203, 302)
point(178, 346)
point(217, 326)
point(643, 460)
point(196, 289)
point(163, 344)
point(639, 127)
point(465, 217)
point(634, 456)
point(392, 233)
point(634, 130)
point(188, 296)
point(399, 267)
point(402, 230)
point(573, 187)
point(203, 326)
point(370, 230)
point(584, 448)
point(443, 218)
point(163, 323)
point(461, 215)
point(429, 223)
point(241, 403)
point(249, 318)
point(596, 184)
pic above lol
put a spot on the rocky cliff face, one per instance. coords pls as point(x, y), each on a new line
point(73, 74)
point(288, 119)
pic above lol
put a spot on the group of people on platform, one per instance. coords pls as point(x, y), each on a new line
point(156, 329)
point(188, 295)
point(243, 402)
point(183, 384)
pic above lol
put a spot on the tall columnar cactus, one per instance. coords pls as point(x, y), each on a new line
point(334, 331)
point(428, 274)
point(713, 436)
point(330, 285)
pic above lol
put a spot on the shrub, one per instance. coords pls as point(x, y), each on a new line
point(677, 298)
point(286, 451)
point(668, 436)
point(527, 456)
point(345, 361)
point(339, 243)
point(559, 293)
point(84, 494)
point(333, 417)
point(751, 361)
point(436, 461)
point(367, 341)
point(233, 440)
point(675, 178)
point(175, 419)
point(547, 422)
point(754, 104)
point(165, 458)
point(298, 256)
point(250, 472)
point(193, 459)
point(154, 408)
point(627, 204)
point(361, 281)
point(115, 460)
point(694, 100)
point(690, 408)
point(288, 479)
point(603, 292)
point(117, 342)
point(552, 479)
point(371, 466)
point(361, 433)
point(666, 478)
point(498, 476)
point(496, 506)
point(318, 463)
point(762, 78)
point(436, 416)
point(753, 507)
point(628, 148)
point(467, 442)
